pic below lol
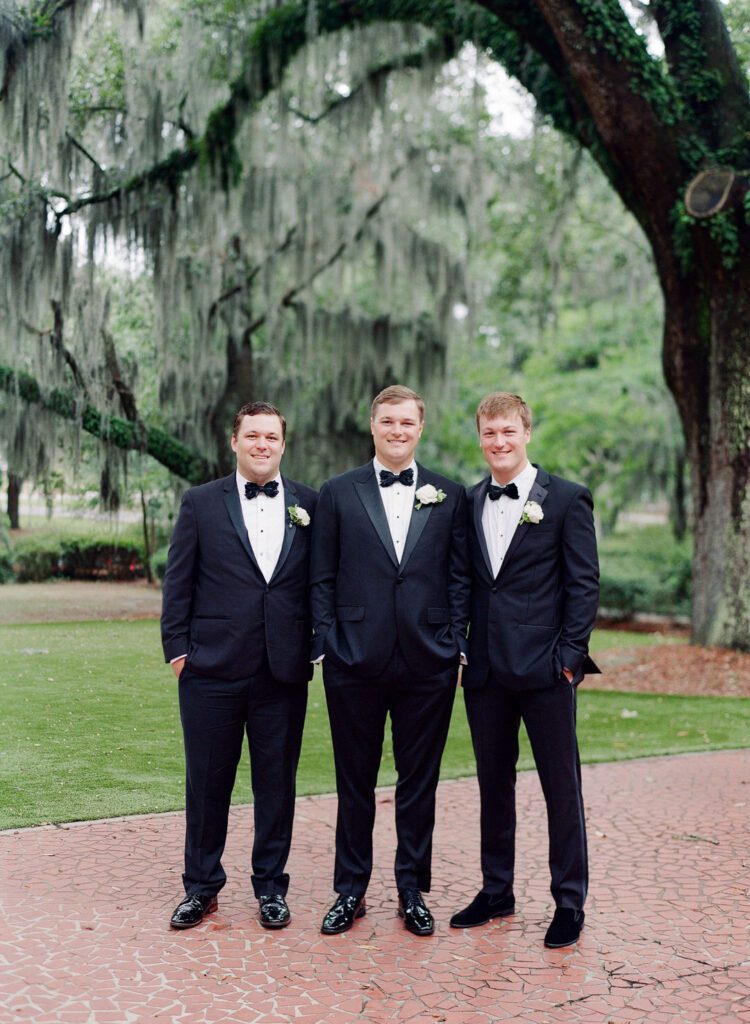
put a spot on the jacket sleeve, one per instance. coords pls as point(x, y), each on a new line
point(459, 572)
point(179, 581)
point(324, 562)
point(580, 574)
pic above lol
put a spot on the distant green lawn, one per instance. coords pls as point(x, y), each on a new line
point(91, 725)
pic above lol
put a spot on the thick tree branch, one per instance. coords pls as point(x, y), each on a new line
point(703, 63)
point(184, 462)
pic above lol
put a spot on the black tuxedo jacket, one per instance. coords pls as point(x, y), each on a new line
point(536, 617)
point(217, 606)
point(364, 602)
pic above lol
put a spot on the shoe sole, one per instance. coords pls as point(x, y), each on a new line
point(561, 945)
point(272, 925)
point(478, 924)
point(361, 911)
point(209, 910)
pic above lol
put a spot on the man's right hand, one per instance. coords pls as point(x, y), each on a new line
point(178, 666)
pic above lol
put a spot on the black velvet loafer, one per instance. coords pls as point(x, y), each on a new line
point(482, 909)
point(192, 910)
point(565, 928)
point(274, 913)
point(412, 908)
point(343, 914)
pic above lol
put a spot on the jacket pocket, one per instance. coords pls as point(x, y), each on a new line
point(438, 616)
point(350, 613)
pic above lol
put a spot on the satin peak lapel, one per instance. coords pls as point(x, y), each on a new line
point(537, 494)
point(290, 498)
point(368, 491)
point(417, 523)
point(479, 498)
point(232, 501)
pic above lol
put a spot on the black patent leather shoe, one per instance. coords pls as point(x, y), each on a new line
point(482, 909)
point(274, 913)
point(412, 908)
point(343, 914)
point(192, 910)
point(565, 928)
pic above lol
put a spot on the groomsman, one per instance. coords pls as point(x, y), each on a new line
point(534, 599)
point(236, 629)
point(390, 600)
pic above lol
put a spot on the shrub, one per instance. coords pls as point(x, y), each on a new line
point(644, 569)
point(86, 560)
point(6, 568)
point(159, 562)
point(33, 563)
point(38, 558)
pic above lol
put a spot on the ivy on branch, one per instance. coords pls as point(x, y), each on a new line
point(184, 462)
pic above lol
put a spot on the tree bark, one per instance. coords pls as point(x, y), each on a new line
point(707, 362)
point(14, 494)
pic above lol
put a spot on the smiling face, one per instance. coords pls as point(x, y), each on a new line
point(503, 440)
point(396, 429)
point(258, 444)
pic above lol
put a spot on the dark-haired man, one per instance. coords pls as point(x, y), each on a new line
point(390, 600)
point(236, 629)
point(535, 590)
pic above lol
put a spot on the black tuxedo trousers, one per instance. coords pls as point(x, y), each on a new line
point(216, 714)
point(549, 715)
point(420, 712)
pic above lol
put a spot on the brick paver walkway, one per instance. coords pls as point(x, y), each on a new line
point(85, 936)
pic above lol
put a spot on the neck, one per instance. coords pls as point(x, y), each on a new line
point(259, 478)
point(505, 478)
point(395, 467)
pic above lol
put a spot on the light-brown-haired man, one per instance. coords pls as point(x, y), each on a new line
point(533, 605)
point(236, 629)
point(390, 597)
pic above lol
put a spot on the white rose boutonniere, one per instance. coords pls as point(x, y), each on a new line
point(429, 495)
point(532, 513)
point(298, 516)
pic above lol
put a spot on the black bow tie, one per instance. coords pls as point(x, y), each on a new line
point(271, 489)
point(406, 477)
point(495, 492)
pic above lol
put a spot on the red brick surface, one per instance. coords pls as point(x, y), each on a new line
point(85, 936)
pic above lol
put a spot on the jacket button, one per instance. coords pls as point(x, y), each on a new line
point(399, 579)
point(494, 590)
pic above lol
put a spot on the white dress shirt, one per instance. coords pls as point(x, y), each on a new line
point(265, 520)
point(501, 517)
point(398, 502)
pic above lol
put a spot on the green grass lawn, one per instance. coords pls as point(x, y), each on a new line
point(91, 725)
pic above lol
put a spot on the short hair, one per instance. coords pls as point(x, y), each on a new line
point(258, 409)
point(393, 395)
point(503, 403)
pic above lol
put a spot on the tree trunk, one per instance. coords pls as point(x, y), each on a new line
point(14, 494)
point(707, 361)
point(678, 509)
point(147, 549)
point(238, 391)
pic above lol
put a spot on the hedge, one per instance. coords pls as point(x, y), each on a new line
point(36, 559)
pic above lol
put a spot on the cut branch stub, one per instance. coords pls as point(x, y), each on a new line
point(708, 193)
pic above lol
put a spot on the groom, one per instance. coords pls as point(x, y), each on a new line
point(535, 590)
point(236, 629)
point(390, 599)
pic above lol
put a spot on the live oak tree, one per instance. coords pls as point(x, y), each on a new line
point(653, 123)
